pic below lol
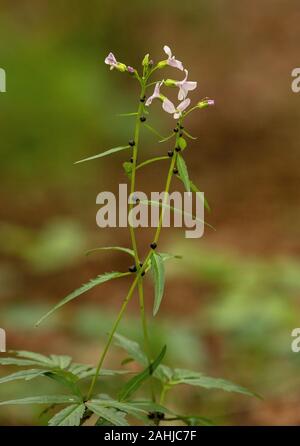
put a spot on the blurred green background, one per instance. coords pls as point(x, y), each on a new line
point(233, 300)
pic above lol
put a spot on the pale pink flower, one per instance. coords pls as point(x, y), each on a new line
point(169, 107)
point(112, 61)
point(185, 86)
point(155, 95)
point(171, 59)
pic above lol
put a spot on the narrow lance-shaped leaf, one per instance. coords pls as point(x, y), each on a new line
point(83, 289)
point(43, 399)
point(101, 155)
point(110, 414)
point(111, 248)
point(151, 160)
point(158, 273)
point(23, 374)
point(194, 188)
point(132, 385)
point(69, 416)
point(179, 211)
point(183, 172)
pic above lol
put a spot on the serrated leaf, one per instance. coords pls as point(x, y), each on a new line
point(111, 248)
point(69, 416)
point(106, 153)
point(182, 376)
point(19, 362)
point(83, 289)
point(133, 348)
point(42, 359)
point(183, 172)
point(158, 273)
point(112, 415)
point(127, 407)
point(44, 399)
point(61, 361)
point(182, 143)
point(132, 385)
point(23, 374)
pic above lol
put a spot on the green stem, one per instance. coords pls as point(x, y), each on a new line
point(137, 278)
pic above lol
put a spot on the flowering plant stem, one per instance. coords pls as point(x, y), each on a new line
point(138, 281)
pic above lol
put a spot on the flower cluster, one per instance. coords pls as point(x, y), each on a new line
point(184, 85)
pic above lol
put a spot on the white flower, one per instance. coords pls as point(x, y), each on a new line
point(185, 86)
point(171, 59)
point(112, 61)
point(169, 107)
point(155, 95)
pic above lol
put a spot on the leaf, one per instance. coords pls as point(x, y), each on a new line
point(182, 143)
point(158, 273)
point(167, 137)
point(109, 414)
point(189, 135)
point(151, 160)
point(128, 408)
point(128, 168)
point(101, 155)
point(166, 256)
point(42, 359)
point(133, 348)
point(18, 362)
point(23, 374)
point(183, 172)
point(127, 114)
point(69, 416)
point(182, 376)
point(113, 248)
point(197, 421)
point(83, 289)
point(153, 130)
point(132, 385)
point(194, 188)
point(61, 361)
point(44, 399)
point(179, 211)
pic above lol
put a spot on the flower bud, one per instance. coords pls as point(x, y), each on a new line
point(145, 61)
point(121, 67)
point(162, 64)
point(170, 83)
point(205, 103)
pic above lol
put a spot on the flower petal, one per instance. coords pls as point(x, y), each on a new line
point(183, 105)
point(110, 59)
point(168, 51)
point(175, 63)
point(190, 85)
point(168, 106)
point(182, 94)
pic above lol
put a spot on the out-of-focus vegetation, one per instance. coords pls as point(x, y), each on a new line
point(233, 300)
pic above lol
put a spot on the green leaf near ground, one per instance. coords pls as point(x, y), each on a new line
point(132, 385)
point(69, 416)
point(44, 399)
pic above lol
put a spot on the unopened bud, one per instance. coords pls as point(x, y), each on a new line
point(170, 83)
point(162, 64)
point(121, 67)
point(145, 61)
point(205, 103)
